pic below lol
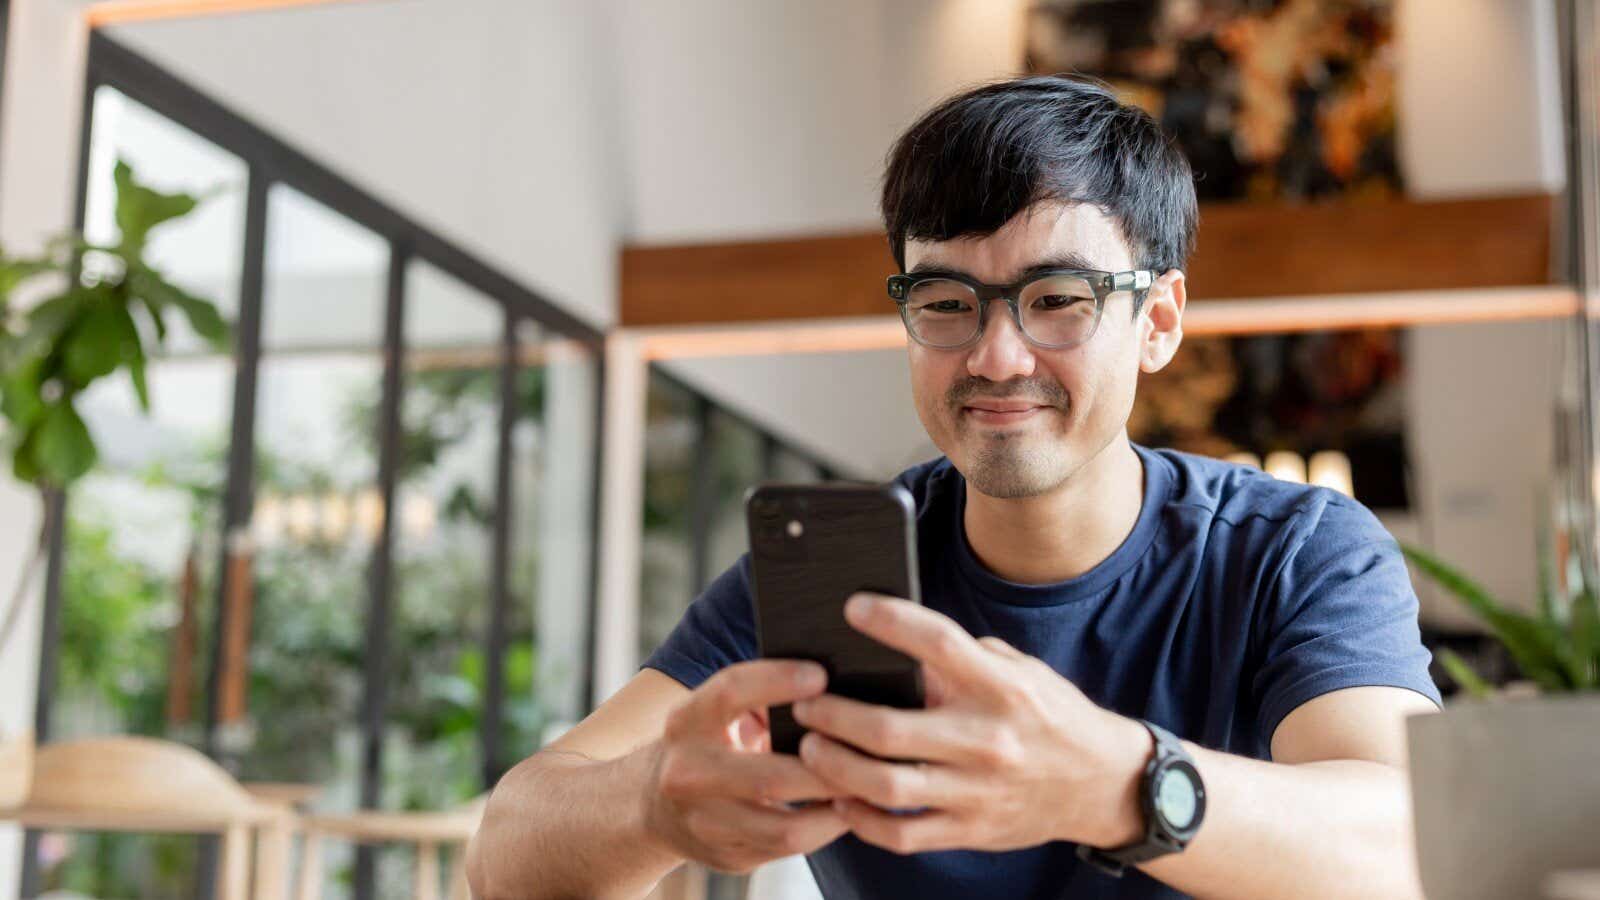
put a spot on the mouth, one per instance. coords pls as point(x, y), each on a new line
point(1001, 412)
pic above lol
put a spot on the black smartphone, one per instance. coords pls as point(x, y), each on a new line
point(811, 547)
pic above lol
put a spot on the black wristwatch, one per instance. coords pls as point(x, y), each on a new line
point(1174, 802)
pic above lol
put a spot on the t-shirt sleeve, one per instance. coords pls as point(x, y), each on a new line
point(1339, 613)
point(718, 630)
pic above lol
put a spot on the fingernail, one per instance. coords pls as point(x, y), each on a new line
point(801, 708)
point(809, 677)
point(858, 605)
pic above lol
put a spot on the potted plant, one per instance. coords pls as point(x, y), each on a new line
point(102, 309)
point(1506, 785)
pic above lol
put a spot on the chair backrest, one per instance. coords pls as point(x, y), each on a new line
point(137, 776)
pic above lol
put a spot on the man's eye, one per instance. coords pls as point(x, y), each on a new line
point(945, 306)
point(1055, 301)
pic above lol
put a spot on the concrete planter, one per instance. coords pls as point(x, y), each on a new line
point(1504, 794)
point(16, 768)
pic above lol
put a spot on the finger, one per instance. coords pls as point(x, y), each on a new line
point(746, 686)
point(932, 830)
point(765, 778)
point(895, 785)
point(921, 633)
point(1001, 647)
point(753, 834)
point(749, 734)
point(896, 733)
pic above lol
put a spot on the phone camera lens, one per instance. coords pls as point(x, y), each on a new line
point(795, 529)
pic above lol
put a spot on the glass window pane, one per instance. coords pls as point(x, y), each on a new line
point(554, 454)
point(665, 556)
point(317, 509)
point(736, 452)
point(142, 537)
point(445, 497)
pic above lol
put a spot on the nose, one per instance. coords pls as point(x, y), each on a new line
point(1002, 353)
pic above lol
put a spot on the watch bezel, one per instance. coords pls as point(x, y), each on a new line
point(1161, 768)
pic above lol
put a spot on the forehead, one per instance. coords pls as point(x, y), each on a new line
point(1047, 230)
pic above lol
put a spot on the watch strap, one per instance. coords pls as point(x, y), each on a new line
point(1116, 860)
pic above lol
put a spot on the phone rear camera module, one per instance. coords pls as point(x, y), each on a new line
point(795, 529)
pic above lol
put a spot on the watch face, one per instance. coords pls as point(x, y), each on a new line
point(1177, 797)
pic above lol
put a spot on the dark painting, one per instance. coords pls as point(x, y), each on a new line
point(1270, 99)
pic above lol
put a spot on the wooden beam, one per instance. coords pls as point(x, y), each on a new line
point(1244, 251)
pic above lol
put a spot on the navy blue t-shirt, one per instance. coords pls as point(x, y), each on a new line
point(1235, 599)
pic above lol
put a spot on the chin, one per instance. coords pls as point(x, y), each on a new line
point(1008, 472)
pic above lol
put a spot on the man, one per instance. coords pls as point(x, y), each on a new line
point(1076, 588)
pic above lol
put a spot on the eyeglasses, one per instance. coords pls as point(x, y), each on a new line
point(1054, 309)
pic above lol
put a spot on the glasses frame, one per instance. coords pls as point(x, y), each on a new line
point(1104, 284)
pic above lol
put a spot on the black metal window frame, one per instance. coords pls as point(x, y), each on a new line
point(270, 161)
point(702, 489)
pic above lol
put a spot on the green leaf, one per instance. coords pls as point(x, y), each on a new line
point(20, 388)
point(133, 355)
point(157, 292)
point(94, 347)
point(1549, 607)
point(156, 317)
point(1462, 674)
point(141, 208)
point(15, 271)
point(1533, 643)
point(63, 449)
point(1586, 638)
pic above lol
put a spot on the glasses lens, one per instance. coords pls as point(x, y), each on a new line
point(1059, 310)
point(942, 313)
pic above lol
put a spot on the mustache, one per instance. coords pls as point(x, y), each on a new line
point(1042, 391)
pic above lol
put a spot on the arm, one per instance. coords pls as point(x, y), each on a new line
point(1015, 755)
point(579, 801)
point(1331, 816)
point(657, 775)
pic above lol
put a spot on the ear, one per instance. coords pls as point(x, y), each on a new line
point(1162, 319)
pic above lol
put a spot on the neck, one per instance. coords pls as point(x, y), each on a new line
point(1064, 533)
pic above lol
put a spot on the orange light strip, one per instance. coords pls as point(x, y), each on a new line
point(1393, 310)
point(117, 12)
point(1202, 317)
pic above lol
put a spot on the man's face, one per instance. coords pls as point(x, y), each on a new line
point(1015, 419)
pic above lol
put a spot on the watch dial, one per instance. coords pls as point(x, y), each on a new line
point(1175, 798)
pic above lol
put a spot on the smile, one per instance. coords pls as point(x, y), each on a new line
point(1009, 416)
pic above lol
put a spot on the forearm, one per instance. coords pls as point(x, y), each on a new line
point(560, 825)
point(1340, 828)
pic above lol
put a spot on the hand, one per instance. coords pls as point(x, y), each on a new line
point(716, 794)
point(1011, 753)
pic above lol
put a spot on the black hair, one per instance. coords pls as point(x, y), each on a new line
point(979, 158)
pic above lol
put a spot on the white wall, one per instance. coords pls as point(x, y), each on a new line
point(1469, 69)
point(38, 151)
point(487, 120)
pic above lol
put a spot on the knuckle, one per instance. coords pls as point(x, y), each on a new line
point(895, 789)
point(900, 839)
point(884, 731)
point(1003, 750)
point(946, 643)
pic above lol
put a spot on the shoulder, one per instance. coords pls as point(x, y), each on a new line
point(1239, 495)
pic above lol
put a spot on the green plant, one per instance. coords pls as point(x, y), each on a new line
point(105, 309)
point(1558, 648)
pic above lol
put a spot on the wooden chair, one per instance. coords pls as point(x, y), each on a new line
point(427, 831)
point(137, 784)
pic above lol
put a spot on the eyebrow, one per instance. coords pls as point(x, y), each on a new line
point(1066, 259)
